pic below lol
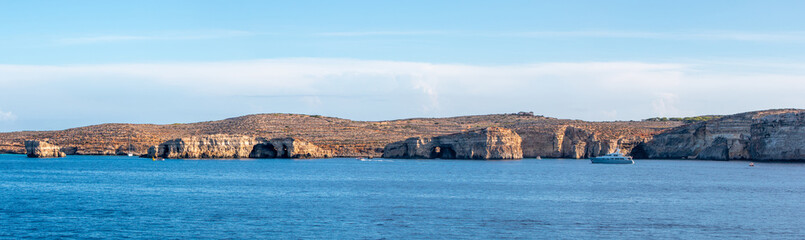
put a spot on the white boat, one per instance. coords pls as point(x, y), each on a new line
point(613, 158)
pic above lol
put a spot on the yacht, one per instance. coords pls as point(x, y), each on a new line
point(613, 158)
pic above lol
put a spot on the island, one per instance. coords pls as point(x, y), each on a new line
point(768, 135)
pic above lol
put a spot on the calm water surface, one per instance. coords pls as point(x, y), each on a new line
point(122, 197)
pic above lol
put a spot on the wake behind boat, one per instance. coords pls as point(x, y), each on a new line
point(613, 158)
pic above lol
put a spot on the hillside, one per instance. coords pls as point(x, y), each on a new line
point(344, 137)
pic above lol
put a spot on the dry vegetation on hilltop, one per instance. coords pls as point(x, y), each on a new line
point(344, 137)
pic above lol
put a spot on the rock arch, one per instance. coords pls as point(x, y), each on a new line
point(286, 153)
point(444, 152)
point(263, 150)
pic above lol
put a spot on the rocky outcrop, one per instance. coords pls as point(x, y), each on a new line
point(763, 135)
point(42, 149)
point(126, 149)
point(233, 146)
point(70, 150)
point(213, 146)
point(417, 147)
point(488, 143)
point(286, 148)
point(570, 142)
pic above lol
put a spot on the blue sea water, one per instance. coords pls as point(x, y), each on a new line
point(103, 197)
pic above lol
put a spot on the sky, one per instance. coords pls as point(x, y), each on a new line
point(74, 63)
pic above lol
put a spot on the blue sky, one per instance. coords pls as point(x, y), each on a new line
point(73, 63)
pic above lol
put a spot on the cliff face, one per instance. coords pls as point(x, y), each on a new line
point(572, 142)
point(778, 137)
point(764, 135)
point(214, 146)
point(286, 148)
point(229, 146)
point(42, 149)
point(416, 147)
point(488, 143)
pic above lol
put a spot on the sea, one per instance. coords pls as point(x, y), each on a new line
point(114, 197)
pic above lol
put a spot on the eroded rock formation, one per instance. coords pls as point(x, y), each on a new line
point(572, 142)
point(763, 135)
point(234, 146)
point(340, 137)
point(488, 143)
point(286, 148)
point(778, 137)
point(42, 149)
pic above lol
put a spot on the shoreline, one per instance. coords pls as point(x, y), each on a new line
point(428, 159)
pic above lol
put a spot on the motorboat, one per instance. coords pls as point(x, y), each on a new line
point(613, 158)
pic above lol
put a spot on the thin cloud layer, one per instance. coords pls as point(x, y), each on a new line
point(162, 36)
point(7, 116)
point(714, 35)
point(377, 90)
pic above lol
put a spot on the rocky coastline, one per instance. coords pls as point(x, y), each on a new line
point(228, 146)
point(777, 135)
point(770, 135)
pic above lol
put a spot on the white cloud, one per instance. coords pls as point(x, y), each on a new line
point(715, 35)
point(381, 33)
point(312, 101)
point(430, 91)
point(178, 35)
point(365, 89)
point(609, 114)
point(665, 104)
point(7, 116)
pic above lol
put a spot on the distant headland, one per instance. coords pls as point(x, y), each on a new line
point(770, 135)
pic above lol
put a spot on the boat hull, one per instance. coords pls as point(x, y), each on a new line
point(611, 161)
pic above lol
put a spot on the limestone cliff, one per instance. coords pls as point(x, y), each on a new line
point(235, 146)
point(763, 135)
point(416, 147)
point(42, 149)
point(780, 136)
point(213, 146)
point(286, 148)
point(572, 142)
point(488, 143)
